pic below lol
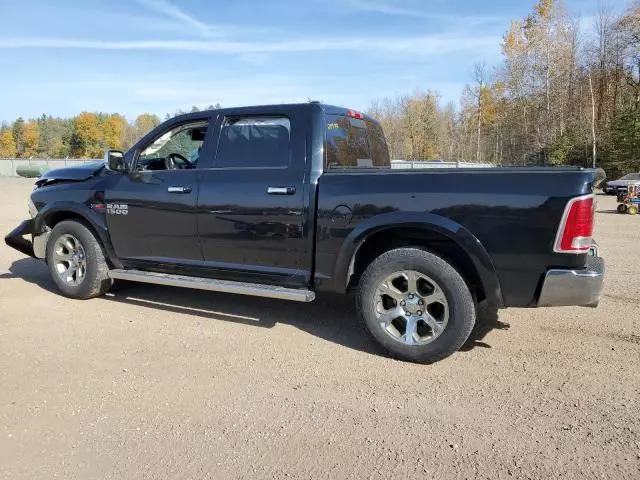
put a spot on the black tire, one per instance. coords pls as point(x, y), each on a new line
point(95, 281)
point(461, 305)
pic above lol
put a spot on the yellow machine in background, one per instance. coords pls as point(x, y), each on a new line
point(629, 202)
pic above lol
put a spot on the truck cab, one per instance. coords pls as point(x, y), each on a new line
point(222, 192)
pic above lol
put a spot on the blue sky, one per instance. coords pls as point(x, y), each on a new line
point(61, 57)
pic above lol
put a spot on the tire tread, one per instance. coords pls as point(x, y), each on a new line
point(461, 303)
point(97, 281)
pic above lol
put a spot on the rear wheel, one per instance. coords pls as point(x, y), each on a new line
point(622, 208)
point(76, 261)
point(416, 305)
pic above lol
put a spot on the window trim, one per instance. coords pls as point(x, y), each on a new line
point(224, 121)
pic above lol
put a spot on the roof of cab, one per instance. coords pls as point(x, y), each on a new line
point(329, 109)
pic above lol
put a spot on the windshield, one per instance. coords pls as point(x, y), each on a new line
point(631, 176)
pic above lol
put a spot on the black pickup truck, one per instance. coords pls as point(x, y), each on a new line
point(290, 201)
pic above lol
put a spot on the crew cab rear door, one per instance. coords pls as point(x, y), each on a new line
point(251, 208)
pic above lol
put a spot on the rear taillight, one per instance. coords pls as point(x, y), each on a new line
point(575, 234)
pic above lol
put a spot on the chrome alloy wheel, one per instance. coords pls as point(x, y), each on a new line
point(411, 308)
point(70, 260)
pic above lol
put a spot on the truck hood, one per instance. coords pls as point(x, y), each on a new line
point(77, 173)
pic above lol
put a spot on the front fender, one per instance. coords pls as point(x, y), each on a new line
point(95, 219)
point(428, 222)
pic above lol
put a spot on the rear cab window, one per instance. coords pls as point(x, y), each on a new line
point(354, 141)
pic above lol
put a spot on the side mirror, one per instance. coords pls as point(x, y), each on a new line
point(115, 161)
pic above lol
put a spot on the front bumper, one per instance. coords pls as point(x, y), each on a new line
point(36, 247)
point(574, 287)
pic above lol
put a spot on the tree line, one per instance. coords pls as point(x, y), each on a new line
point(87, 135)
point(561, 96)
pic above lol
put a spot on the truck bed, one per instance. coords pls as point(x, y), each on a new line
point(512, 212)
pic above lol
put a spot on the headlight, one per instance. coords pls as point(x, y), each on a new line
point(33, 211)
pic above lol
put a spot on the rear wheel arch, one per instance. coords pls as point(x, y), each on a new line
point(435, 242)
point(460, 248)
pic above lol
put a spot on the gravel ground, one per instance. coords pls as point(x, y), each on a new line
point(153, 382)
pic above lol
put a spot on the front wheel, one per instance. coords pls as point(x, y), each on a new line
point(76, 261)
point(416, 305)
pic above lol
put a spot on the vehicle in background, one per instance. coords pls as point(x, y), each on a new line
point(293, 201)
point(629, 202)
point(616, 187)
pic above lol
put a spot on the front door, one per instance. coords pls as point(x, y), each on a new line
point(251, 205)
point(151, 212)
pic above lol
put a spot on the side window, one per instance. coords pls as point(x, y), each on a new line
point(176, 149)
point(254, 142)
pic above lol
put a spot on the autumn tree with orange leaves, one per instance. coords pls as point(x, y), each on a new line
point(30, 137)
point(7, 144)
point(537, 106)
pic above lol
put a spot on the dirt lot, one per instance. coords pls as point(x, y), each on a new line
point(154, 382)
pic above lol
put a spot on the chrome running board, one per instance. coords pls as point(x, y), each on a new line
point(226, 286)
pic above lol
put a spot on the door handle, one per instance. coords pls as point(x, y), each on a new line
point(281, 190)
point(179, 189)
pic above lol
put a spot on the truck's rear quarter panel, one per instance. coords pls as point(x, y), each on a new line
point(513, 212)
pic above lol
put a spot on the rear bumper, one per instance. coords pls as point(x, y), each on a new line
point(574, 287)
point(36, 247)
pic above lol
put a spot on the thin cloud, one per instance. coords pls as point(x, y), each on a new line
point(387, 9)
point(166, 8)
point(426, 44)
